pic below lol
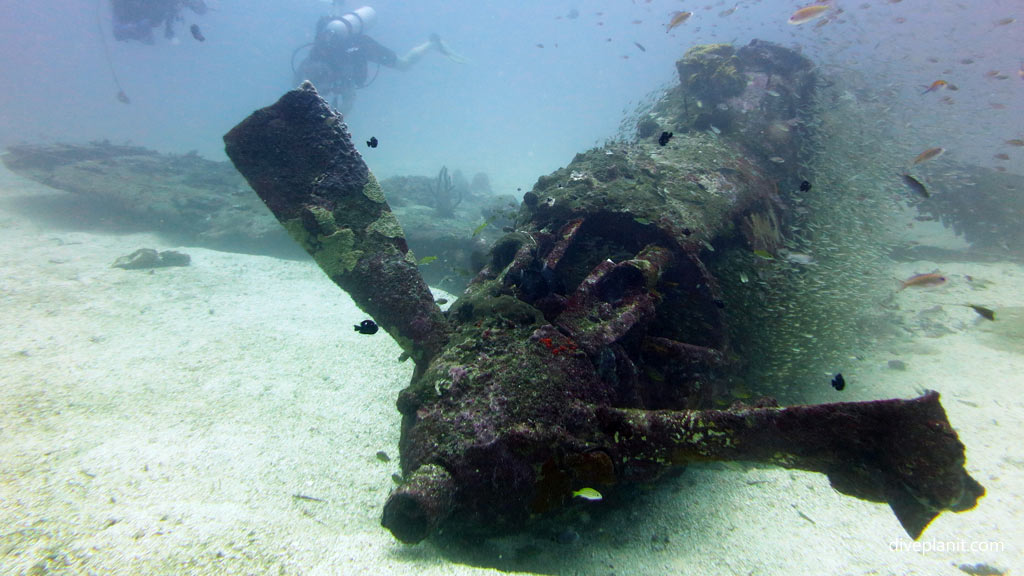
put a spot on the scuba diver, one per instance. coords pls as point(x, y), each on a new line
point(136, 19)
point(339, 56)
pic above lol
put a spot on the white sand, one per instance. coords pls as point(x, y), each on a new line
point(161, 423)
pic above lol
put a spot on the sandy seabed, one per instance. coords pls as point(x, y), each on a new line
point(224, 418)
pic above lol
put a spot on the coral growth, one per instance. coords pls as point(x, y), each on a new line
point(711, 72)
point(763, 232)
point(447, 195)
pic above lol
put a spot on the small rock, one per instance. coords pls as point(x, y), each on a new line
point(981, 569)
point(144, 258)
point(567, 537)
point(897, 365)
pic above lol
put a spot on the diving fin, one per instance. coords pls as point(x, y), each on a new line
point(448, 53)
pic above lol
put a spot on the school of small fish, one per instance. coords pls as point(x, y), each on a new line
point(884, 132)
point(852, 43)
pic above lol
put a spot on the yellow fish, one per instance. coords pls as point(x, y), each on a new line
point(587, 494)
point(935, 86)
point(923, 280)
point(929, 154)
point(678, 18)
point(808, 13)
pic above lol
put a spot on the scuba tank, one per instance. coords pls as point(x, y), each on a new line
point(339, 28)
point(334, 33)
point(353, 23)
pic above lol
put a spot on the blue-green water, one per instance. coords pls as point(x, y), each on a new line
point(165, 423)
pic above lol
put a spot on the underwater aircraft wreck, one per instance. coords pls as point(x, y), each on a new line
point(585, 354)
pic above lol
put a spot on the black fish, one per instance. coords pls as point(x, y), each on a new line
point(640, 46)
point(664, 138)
point(986, 313)
point(915, 185)
point(367, 327)
point(838, 382)
point(197, 33)
point(372, 142)
point(805, 186)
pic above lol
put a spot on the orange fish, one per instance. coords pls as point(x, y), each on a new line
point(935, 86)
point(929, 154)
point(808, 13)
point(922, 280)
point(1015, 142)
point(677, 19)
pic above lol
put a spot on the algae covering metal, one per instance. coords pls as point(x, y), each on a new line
point(331, 204)
point(589, 351)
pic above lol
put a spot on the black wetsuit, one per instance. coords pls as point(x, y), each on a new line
point(340, 66)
